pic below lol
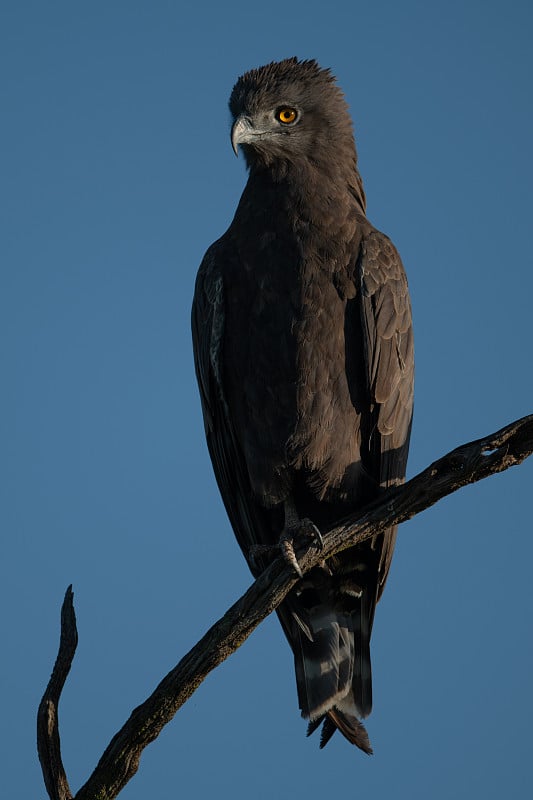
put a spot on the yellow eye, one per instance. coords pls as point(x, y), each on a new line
point(286, 115)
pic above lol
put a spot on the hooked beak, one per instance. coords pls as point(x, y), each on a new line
point(242, 132)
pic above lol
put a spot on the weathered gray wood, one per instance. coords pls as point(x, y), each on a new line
point(466, 464)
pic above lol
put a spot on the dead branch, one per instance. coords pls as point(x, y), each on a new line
point(48, 742)
point(466, 464)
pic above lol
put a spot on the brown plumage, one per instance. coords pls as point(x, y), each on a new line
point(304, 357)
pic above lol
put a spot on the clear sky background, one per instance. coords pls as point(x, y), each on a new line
point(116, 174)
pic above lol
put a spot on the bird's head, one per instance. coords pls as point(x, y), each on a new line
point(288, 111)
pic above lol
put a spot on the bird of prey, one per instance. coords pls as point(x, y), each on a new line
point(304, 357)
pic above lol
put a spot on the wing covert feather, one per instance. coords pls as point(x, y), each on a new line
point(389, 358)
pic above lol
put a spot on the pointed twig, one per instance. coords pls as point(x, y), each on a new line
point(48, 741)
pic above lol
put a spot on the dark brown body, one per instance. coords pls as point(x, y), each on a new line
point(304, 355)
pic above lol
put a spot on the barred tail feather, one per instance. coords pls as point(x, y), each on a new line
point(333, 672)
point(350, 727)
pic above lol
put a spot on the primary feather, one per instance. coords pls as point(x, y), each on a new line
point(304, 357)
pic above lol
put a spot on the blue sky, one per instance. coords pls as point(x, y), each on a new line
point(117, 173)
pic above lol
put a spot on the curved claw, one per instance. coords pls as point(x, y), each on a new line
point(313, 531)
point(287, 551)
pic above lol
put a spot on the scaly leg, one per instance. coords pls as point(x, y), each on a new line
point(294, 526)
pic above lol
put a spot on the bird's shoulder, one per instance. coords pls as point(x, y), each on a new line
point(380, 263)
point(383, 286)
point(211, 271)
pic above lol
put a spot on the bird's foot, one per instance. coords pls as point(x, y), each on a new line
point(307, 527)
point(294, 530)
point(285, 546)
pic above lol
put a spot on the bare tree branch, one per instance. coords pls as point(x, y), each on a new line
point(466, 464)
point(48, 742)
